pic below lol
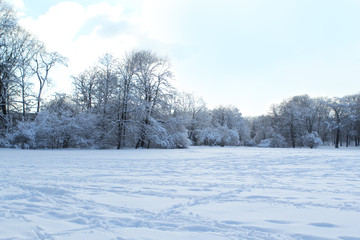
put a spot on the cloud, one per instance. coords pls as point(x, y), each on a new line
point(160, 20)
point(250, 46)
point(18, 4)
point(82, 32)
point(112, 12)
point(59, 29)
point(58, 26)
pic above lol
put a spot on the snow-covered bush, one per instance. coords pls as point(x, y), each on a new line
point(85, 131)
point(249, 143)
point(312, 140)
point(179, 140)
point(49, 130)
point(156, 135)
point(266, 143)
point(64, 131)
point(278, 141)
point(177, 134)
point(209, 136)
point(23, 136)
point(4, 143)
point(58, 126)
point(232, 137)
point(166, 134)
point(220, 136)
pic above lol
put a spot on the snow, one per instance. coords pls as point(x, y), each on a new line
point(196, 193)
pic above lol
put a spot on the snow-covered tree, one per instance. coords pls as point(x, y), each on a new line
point(262, 128)
point(153, 77)
point(345, 119)
point(193, 112)
point(226, 128)
point(85, 88)
point(8, 55)
point(126, 70)
point(294, 118)
point(312, 140)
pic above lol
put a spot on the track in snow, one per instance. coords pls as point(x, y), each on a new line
point(197, 193)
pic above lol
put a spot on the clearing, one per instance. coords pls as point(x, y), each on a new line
point(196, 193)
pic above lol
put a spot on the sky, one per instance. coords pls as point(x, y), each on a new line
point(246, 53)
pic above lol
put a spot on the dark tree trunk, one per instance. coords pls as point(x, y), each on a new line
point(3, 98)
point(337, 138)
point(292, 135)
point(141, 141)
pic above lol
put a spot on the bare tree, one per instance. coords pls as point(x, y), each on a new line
point(7, 20)
point(27, 47)
point(152, 83)
point(194, 112)
point(44, 62)
point(126, 70)
point(106, 81)
point(7, 59)
point(85, 88)
point(262, 128)
point(338, 109)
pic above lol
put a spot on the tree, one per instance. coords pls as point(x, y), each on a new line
point(226, 128)
point(322, 119)
point(345, 112)
point(106, 87)
point(7, 58)
point(193, 112)
point(153, 77)
point(262, 128)
point(355, 112)
point(44, 62)
point(126, 70)
point(85, 88)
point(106, 82)
point(27, 47)
point(294, 118)
point(231, 118)
point(338, 111)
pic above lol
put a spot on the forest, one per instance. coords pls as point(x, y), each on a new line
point(131, 102)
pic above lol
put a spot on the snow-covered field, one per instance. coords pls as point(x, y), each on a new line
point(197, 193)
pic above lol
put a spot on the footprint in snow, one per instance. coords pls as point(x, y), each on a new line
point(278, 221)
point(324, 225)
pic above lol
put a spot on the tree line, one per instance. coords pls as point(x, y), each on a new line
point(130, 102)
point(302, 121)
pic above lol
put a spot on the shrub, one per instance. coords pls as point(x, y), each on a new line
point(23, 137)
point(312, 140)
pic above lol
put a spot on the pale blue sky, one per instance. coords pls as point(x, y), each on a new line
point(247, 53)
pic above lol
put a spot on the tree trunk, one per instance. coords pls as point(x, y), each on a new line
point(119, 134)
point(39, 98)
point(3, 106)
point(141, 141)
point(337, 138)
point(23, 103)
point(292, 135)
point(3, 103)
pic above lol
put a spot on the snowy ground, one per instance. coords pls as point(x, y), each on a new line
point(197, 193)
